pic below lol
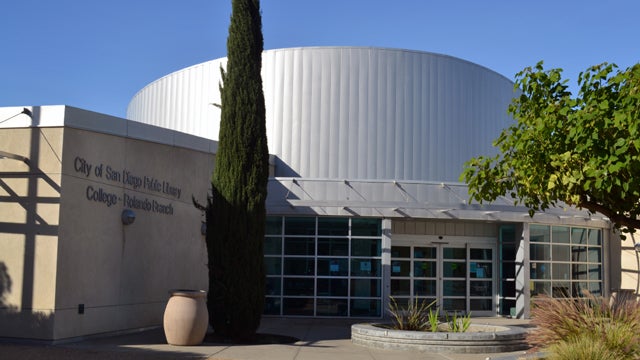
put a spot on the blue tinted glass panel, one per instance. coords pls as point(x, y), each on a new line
point(299, 246)
point(272, 245)
point(272, 306)
point(333, 246)
point(298, 286)
point(273, 225)
point(365, 308)
point(366, 247)
point(299, 266)
point(300, 226)
point(332, 307)
point(333, 267)
point(333, 226)
point(297, 306)
point(366, 227)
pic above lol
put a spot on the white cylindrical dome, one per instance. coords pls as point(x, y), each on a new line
point(350, 112)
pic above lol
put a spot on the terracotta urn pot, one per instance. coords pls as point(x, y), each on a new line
point(186, 318)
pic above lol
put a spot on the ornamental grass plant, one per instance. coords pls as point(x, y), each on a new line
point(589, 327)
point(417, 316)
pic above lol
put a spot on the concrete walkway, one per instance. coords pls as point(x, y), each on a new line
point(320, 339)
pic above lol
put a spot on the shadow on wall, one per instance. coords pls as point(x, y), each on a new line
point(29, 324)
point(5, 283)
point(23, 190)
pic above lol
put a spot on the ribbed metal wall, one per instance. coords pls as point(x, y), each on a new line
point(351, 113)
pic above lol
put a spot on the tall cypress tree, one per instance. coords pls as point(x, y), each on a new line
point(236, 216)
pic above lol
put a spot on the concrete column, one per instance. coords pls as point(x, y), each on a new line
point(386, 265)
point(522, 273)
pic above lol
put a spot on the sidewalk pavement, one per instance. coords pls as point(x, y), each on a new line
point(320, 339)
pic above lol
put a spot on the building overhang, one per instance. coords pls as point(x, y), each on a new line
point(408, 200)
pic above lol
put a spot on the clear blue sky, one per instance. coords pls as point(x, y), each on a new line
point(97, 54)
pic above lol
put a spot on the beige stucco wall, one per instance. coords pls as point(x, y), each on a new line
point(629, 263)
point(60, 249)
point(29, 223)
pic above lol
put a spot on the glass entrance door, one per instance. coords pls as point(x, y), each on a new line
point(459, 277)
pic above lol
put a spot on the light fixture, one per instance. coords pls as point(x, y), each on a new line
point(128, 217)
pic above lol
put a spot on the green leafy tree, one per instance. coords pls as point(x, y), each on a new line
point(582, 150)
point(236, 214)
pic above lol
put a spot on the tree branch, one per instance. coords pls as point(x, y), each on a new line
point(619, 220)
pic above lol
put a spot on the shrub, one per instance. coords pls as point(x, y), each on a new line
point(610, 327)
point(458, 323)
point(417, 316)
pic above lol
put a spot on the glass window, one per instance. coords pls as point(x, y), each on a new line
point(315, 267)
point(595, 237)
point(273, 265)
point(333, 267)
point(365, 287)
point(272, 245)
point(480, 304)
point(540, 288)
point(299, 246)
point(560, 235)
point(539, 233)
point(299, 225)
point(454, 253)
point(560, 253)
point(454, 304)
point(400, 287)
point(400, 251)
point(481, 254)
point(454, 269)
point(480, 288)
point(332, 307)
point(299, 266)
point(297, 306)
point(579, 271)
point(578, 236)
point(273, 286)
point(539, 252)
point(273, 225)
point(424, 252)
point(595, 272)
point(595, 255)
point(333, 246)
point(424, 287)
point(508, 252)
point(366, 227)
point(272, 306)
point(365, 267)
point(540, 271)
point(333, 287)
point(480, 270)
point(454, 288)
point(424, 269)
point(298, 286)
point(561, 271)
point(366, 247)
point(400, 268)
point(365, 308)
point(579, 253)
point(333, 226)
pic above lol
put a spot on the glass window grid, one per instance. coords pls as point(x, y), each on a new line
point(507, 267)
point(403, 299)
point(411, 277)
point(321, 300)
point(585, 263)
